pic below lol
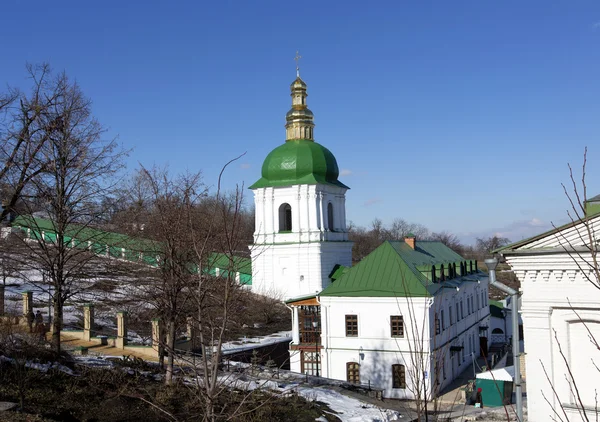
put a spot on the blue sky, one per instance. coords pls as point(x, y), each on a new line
point(459, 115)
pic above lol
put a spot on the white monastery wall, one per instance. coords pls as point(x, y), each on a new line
point(560, 309)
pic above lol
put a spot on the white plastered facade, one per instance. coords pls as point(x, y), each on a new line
point(375, 350)
point(560, 309)
point(296, 262)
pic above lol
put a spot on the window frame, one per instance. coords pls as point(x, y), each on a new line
point(397, 326)
point(351, 325)
point(398, 376)
point(285, 218)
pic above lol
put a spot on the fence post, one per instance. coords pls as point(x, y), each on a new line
point(27, 302)
point(121, 329)
point(88, 321)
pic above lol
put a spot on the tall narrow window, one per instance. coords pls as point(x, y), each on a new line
point(450, 314)
point(437, 324)
point(330, 225)
point(457, 313)
point(398, 376)
point(353, 372)
point(351, 325)
point(397, 325)
point(285, 218)
point(443, 322)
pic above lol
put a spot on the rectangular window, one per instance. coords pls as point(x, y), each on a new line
point(398, 376)
point(443, 323)
point(457, 313)
point(444, 366)
point(397, 325)
point(437, 324)
point(351, 325)
point(462, 315)
point(450, 314)
point(468, 306)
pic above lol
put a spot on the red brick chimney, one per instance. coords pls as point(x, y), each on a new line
point(411, 240)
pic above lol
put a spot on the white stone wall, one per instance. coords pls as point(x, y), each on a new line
point(296, 269)
point(309, 213)
point(296, 263)
point(557, 297)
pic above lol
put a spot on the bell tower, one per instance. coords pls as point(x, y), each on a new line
point(300, 205)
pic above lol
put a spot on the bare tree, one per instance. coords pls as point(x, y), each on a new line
point(80, 170)
point(169, 227)
point(26, 121)
point(487, 244)
point(450, 240)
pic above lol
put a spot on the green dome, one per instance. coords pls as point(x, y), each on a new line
point(299, 162)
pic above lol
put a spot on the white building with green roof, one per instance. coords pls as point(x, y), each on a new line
point(300, 227)
point(410, 316)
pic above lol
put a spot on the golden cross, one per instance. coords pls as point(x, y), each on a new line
point(297, 58)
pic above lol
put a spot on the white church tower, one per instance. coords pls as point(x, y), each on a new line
point(300, 208)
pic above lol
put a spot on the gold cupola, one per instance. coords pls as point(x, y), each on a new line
point(299, 120)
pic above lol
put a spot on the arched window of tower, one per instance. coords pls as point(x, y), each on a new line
point(285, 218)
point(330, 225)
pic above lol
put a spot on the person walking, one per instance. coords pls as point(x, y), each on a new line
point(478, 399)
point(30, 319)
point(39, 323)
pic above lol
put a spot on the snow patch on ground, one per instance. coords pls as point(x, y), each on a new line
point(245, 343)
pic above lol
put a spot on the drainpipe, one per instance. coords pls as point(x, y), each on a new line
point(491, 264)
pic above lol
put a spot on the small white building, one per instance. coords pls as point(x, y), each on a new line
point(410, 316)
point(560, 307)
point(501, 330)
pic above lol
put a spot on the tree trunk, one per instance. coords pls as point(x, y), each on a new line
point(57, 323)
point(171, 350)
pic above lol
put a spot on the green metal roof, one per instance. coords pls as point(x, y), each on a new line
point(338, 271)
point(238, 264)
point(496, 309)
point(115, 241)
point(299, 162)
point(394, 269)
point(84, 234)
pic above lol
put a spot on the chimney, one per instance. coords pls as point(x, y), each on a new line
point(411, 240)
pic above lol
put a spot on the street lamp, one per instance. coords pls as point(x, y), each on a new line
point(315, 324)
point(492, 263)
